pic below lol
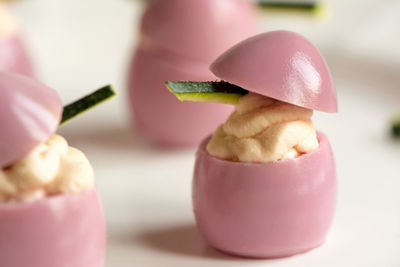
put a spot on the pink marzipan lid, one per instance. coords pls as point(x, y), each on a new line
point(14, 57)
point(282, 65)
point(197, 29)
point(29, 113)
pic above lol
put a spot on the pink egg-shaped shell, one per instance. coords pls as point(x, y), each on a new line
point(178, 41)
point(13, 56)
point(57, 231)
point(281, 65)
point(265, 210)
point(197, 29)
point(158, 114)
point(29, 113)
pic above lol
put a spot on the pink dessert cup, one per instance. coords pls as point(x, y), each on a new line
point(265, 210)
point(178, 41)
point(158, 114)
point(14, 58)
point(57, 231)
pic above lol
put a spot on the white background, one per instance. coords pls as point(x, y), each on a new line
point(79, 45)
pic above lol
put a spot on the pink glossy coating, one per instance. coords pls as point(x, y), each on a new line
point(265, 210)
point(29, 113)
point(13, 56)
point(158, 114)
point(281, 65)
point(58, 231)
point(197, 29)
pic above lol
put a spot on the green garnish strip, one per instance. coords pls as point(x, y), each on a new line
point(295, 5)
point(288, 5)
point(74, 109)
point(216, 92)
point(396, 127)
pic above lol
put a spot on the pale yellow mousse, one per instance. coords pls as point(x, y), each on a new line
point(49, 169)
point(8, 26)
point(262, 129)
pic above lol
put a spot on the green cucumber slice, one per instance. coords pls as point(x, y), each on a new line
point(315, 8)
point(396, 127)
point(215, 92)
point(74, 109)
point(306, 5)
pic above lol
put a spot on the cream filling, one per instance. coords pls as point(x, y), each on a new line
point(262, 129)
point(51, 168)
point(8, 26)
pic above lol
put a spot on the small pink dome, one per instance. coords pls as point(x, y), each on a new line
point(197, 29)
point(282, 65)
point(14, 57)
point(29, 113)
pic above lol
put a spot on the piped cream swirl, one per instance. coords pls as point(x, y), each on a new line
point(262, 129)
point(49, 169)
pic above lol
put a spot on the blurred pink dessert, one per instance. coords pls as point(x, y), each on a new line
point(50, 211)
point(265, 182)
point(179, 39)
point(13, 56)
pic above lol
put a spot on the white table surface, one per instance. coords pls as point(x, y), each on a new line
point(81, 45)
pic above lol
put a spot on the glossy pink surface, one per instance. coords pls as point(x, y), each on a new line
point(282, 65)
point(158, 114)
point(29, 113)
point(59, 231)
point(197, 29)
point(265, 210)
point(13, 57)
point(179, 39)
